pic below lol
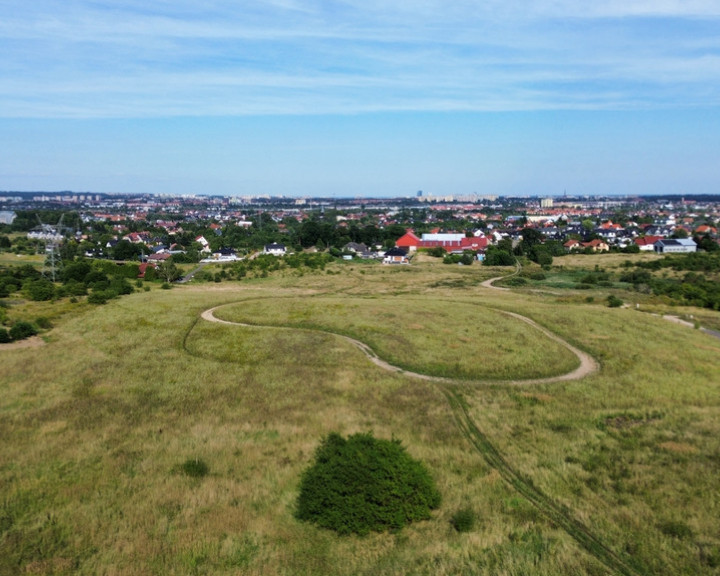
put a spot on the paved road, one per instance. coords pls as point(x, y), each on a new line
point(189, 276)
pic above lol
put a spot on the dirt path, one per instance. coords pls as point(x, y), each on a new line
point(32, 342)
point(588, 365)
point(490, 283)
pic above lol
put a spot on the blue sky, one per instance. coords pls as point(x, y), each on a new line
point(353, 97)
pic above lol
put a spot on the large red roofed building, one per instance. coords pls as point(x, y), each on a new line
point(449, 242)
point(408, 241)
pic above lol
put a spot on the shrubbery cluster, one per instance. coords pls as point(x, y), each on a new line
point(266, 263)
point(495, 256)
point(18, 331)
point(363, 484)
point(466, 258)
point(103, 278)
point(693, 288)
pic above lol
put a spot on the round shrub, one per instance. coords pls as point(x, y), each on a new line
point(613, 301)
point(22, 330)
point(463, 520)
point(99, 297)
point(362, 484)
point(195, 468)
point(4, 336)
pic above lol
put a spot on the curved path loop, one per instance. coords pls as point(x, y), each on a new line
point(588, 365)
point(555, 513)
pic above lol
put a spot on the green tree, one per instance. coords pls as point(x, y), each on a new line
point(168, 271)
point(707, 243)
point(125, 250)
point(41, 290)
point(588, 225)
point(530, 238)
point(495, 256)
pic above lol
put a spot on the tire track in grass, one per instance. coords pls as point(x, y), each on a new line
point(556, 513)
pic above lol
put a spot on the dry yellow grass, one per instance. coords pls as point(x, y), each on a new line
point(95, 424)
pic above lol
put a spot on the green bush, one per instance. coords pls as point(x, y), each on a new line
point(436, 252)
point(362, 484)
point(495, 256)
point(466, 259)
point(22, 330)
point(99, 297)
point(613, 301)
point(463, 520)
point(514, 281)
point(41, 290)
point(195, 468)
point(4, 336)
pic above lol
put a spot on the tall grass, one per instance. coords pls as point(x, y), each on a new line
point(95, 425)
point(445, 338)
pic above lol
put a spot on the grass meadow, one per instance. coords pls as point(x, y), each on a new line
point(616, 473)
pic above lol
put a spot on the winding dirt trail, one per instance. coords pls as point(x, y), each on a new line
point(588, 365)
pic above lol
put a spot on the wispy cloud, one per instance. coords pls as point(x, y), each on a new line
point(190, 57)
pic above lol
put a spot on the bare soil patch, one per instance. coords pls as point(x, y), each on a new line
point(32, 342)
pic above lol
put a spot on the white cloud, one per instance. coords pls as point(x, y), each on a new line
point(186, 57)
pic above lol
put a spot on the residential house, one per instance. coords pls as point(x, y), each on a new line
point(396, 255)
point(204, 244)
point(137, 237)
point(158, 258)
point(359, 249)
point(143, 268)
point(596, 245)
point(706, 229)
point(275, 249)
point(647, 243)
point(572, 244)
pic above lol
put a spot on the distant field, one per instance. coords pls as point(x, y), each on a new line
point(7, 258)
point(617, 473)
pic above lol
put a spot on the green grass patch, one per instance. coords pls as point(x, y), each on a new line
point(447, 338)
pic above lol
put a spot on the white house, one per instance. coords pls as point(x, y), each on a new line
point(275, 249)
point(204, 243)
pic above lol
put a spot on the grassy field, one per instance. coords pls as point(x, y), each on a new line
point(616, 473)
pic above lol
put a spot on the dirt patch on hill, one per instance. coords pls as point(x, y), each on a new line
point(678, 447)
point(33, 342)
